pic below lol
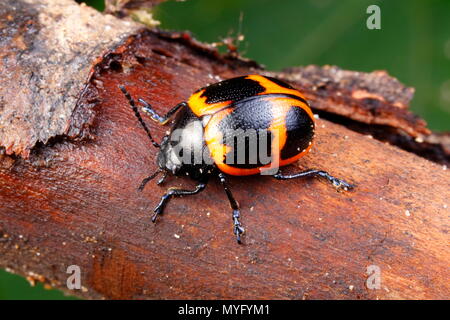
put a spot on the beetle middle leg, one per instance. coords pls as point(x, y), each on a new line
point(338, 183)
point(175, 192)
point(237, 229)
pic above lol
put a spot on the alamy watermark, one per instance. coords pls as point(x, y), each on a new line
point(374, 277)
point(374, 20)
point(74, 280)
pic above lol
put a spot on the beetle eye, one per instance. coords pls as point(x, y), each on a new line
point(173, 143)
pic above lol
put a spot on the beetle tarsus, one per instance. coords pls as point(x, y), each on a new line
point(155, 216)
point(160, 207)
point(238, 229)
point(337, 183)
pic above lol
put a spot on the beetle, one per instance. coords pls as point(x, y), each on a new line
point(227, 123)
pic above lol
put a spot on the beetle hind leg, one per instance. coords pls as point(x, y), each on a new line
point(237, 228)
point(337, 183)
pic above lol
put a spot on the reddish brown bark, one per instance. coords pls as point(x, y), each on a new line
point(75, 199)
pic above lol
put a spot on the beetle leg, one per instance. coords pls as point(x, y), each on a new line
point(175, 192)
point(238, 229)
point(162, 120)
point(338, 183)
point(161, 180)
point(152, 176)
point(146, 180)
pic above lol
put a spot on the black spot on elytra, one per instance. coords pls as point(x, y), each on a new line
point(245, 130)
point(300, 131)
point(232, 90)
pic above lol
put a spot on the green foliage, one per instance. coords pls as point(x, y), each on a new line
point(97, 4)
point(412, 45)
point(14, 287)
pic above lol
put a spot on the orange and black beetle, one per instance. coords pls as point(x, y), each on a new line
point(225, 127)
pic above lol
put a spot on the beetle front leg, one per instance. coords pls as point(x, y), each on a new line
point(338, 183)
point(237, 229)
point(151, 177)
point(162, 120)
point(174, 192)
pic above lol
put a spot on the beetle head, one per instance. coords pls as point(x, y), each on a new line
point(168, 159)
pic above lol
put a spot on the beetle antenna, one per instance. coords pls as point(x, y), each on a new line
point(138, 115)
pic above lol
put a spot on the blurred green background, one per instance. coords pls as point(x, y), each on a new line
point(412, 45)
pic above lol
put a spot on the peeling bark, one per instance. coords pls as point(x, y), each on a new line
point(46, 52)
